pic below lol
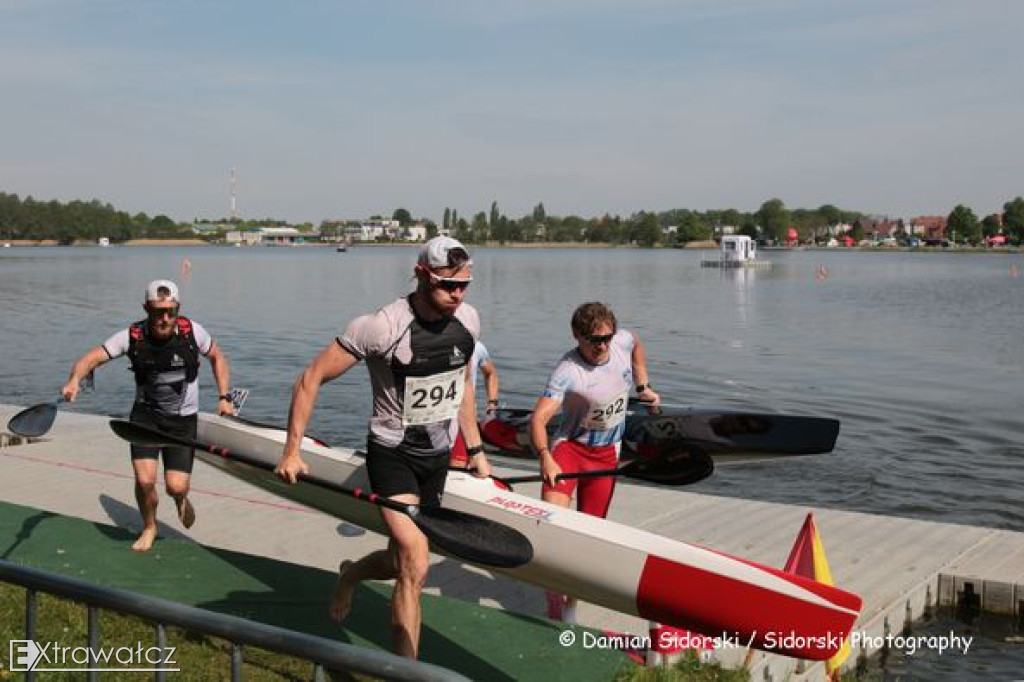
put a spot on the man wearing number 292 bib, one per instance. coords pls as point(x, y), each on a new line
point(591, 385)
point(417, 351)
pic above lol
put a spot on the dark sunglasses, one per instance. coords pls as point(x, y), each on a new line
point(449, 283)
point(157, 313)
point(595, 339)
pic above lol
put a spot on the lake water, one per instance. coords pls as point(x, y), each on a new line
point(918, 354)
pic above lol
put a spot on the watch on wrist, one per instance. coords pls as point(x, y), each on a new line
point(640, 388)
point(225, 396)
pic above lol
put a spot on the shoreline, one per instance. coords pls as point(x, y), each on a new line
point(690, 246)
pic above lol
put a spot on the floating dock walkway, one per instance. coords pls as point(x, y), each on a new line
point(899, 566)
point(737, 264)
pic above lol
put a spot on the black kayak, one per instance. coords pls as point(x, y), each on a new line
point(729, 437)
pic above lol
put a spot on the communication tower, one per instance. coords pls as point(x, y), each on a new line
point(234, 213)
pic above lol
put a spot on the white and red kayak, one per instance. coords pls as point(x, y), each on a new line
point(599, 561)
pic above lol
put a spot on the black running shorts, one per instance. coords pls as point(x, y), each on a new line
point(176, 457)
point(393, 473)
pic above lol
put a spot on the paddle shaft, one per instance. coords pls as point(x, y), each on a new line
point(565, 477)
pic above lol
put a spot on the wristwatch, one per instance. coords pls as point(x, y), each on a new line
point(225, 396)
point(640, 388)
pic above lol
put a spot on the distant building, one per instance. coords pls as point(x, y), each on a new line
point(279, 236)
point(417, 232)
point(372, 230)
point(929, 227)
point(271, 236)
point(207, 228)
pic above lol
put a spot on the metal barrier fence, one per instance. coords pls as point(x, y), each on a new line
point(325, 654)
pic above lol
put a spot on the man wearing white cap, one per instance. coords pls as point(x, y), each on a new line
point(417, 351)
point(164, 350)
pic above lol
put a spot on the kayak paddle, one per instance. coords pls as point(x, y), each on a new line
point(34, 421)
point(467, 536)
point(681, 466)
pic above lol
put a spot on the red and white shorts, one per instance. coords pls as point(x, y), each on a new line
point(594, 495)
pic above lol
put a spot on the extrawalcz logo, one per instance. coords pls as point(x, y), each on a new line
point(27, 655)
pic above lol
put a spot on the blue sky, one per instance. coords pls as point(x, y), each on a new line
point(345, 109)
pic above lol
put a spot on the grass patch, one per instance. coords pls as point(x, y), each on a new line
point(200, 657)
point(687, 669)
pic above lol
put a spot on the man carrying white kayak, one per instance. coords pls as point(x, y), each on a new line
point(591, 385)
point(164, 350)
point(417, 351)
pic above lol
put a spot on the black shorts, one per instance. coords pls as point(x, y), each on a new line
point(176, 457)
point(396, 473)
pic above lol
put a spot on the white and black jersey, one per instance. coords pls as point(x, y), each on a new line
point(417, 371)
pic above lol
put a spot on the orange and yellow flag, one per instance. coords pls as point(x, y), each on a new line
point(807, 558)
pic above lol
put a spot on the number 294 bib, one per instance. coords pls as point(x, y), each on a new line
point(434, 398)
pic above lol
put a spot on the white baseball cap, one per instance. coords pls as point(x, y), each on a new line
point(436, 253)
point(162, 289)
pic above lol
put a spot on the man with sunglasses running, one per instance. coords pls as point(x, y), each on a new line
point(591, 385)
point(164, 350)
point(417, 351)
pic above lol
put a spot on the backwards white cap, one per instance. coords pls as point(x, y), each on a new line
point(162, 289)
point(435, 253)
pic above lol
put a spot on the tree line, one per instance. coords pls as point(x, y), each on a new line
point(88, 220)
point(772, 222)
point(78, 220)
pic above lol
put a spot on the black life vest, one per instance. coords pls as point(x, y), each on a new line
point(149, 360)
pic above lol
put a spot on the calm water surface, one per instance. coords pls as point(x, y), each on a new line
point(918, 354)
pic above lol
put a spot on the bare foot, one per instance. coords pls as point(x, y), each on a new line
point(186, 512)
point(341, 600)
point(145, 541)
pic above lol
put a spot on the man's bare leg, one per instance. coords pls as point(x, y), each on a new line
point(147, 499)
point(178, 483)
point(374, 566)
point(411, 553)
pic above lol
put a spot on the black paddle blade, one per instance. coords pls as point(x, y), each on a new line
point(33, 421)
point(474, 538)
point(678, 466)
